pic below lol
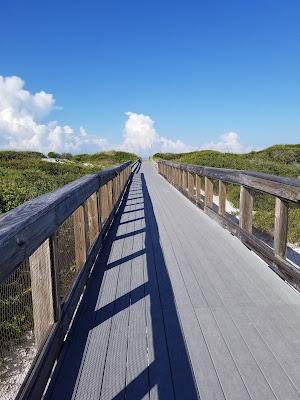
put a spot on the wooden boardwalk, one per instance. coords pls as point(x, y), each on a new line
point(176, 307)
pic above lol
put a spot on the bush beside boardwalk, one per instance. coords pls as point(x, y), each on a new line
point(25, 175)
point(281, 160)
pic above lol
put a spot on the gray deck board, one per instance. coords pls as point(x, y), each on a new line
point(178, 308)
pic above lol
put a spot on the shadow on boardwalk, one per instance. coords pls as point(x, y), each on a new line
point(169, 373)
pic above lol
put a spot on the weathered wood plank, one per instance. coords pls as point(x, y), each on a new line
point(55, 275)
point(281, 227)
point(80, 237)
point(42, 292)
point(110, 196)
point(93, 216)
point(198, 189)
point(191, 185)
point(104, 205)
point(246, 209)
point(222, 198)
point(208, 193)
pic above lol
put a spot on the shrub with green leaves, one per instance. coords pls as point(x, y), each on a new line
point(281, 160)
point(23, 176)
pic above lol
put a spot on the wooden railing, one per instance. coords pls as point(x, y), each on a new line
point(189, 180)
point(73, 219)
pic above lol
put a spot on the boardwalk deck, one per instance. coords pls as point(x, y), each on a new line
point(176, 307)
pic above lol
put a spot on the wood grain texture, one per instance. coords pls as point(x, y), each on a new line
point(281, 227)
point(93, 216)
point(104, 206)
point(110, 195)
point(222, 198)
point(191, 185)
point(80, 237)
point(208, 201)
point(246, 209)
point(42, 292)
point(53, 241)
point(198, 189)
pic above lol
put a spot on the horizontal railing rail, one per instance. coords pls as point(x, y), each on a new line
point(189, 180)
point(52, 240)
point(23, 229)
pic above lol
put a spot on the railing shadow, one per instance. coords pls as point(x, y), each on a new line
point(181, 372)
point(169, 374)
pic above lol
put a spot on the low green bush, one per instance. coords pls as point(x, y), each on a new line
point(281, 160)
point(23, 176)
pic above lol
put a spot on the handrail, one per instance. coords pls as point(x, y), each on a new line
point(283, 187)
point(26, 227)
point(187, 179)
point(33, 237)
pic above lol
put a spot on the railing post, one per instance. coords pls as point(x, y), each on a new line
point(93, 217)
point(114, 191)
point(198, 189)
point(191, 185)
point(222, 198)
point(55, 275)
point(246, 207)
point(110, 196)
point(104, 205)
point(119, 185)
point(281, 227)
point(42, 292)
point(209, 192)
point(185, 181)
point(80, 237)
point(99, 208)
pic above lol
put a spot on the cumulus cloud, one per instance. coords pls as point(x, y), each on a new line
point(21, 128)
point(139, 133)
point(140, 136)
point(229, 142)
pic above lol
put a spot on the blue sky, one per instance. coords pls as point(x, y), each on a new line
point(199, 69)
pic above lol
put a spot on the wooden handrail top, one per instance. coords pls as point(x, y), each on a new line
point(26, 227)
point(283, 187)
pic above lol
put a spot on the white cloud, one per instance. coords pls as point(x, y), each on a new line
point(174, 146)
point(229, 142)
point(140, 136)
point(139, 133)
point(21, 128)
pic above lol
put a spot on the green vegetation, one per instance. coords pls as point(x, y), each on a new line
point(15, 310)
point(281, 160)
point(24, 175)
